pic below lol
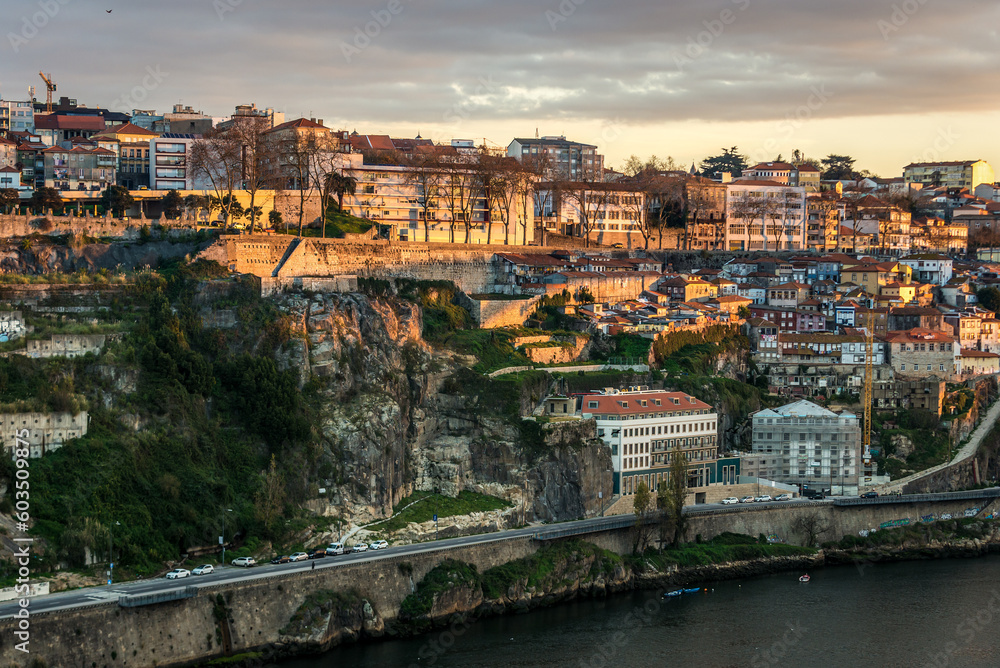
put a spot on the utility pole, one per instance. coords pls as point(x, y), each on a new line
point(111, 552)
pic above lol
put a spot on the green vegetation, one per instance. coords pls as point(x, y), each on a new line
point(931, 445)
point(965, 528)
point(338, 224)
point(547, 315)
point(724, 548)
point(314, 609)
point(538, 569)
point(428, 504)
point(444, 577)
point(242, 659)
point(212, 407)
point(630, 346)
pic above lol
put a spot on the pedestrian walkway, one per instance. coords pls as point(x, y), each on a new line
point(968, 450)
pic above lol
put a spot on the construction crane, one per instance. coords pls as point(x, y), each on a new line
point(50, 88)
point(866, 434)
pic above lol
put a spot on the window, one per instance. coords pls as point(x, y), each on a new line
point(591, 404)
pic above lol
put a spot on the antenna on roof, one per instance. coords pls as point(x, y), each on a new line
point(536, 133)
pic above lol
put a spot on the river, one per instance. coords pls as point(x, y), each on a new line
point(914, 614)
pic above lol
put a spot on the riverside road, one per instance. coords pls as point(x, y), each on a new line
point(106, 594)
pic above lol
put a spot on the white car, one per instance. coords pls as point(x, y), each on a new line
point(178, 573)
point(378, 545)
point(763, 497)
point(360, 547)
point(730, 500)
point(298, 556)
point(245, 562)
point(204, 569)
point(783, 497)
point(335, 549)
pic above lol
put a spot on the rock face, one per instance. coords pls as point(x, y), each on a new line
point(389, 426)
point(327, 619)
point(45, 258)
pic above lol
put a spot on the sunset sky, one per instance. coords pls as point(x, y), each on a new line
point(885, 82)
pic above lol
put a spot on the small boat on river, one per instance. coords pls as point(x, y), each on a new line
point(804, 578)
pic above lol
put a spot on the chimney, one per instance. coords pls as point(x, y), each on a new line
point(727, 177)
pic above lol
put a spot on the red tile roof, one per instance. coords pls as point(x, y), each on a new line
point(631, 404)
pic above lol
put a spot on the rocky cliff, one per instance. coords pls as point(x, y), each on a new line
point(394, 419)
point(32, 257)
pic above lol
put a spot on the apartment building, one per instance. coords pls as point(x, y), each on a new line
point(804, 175)
point(170, 163)
point(16, 116)
point(806, 444)
point(643, 427)
point(959, 174)
point(79, 168)
point(131, 144)
point(563, 159)
point(923, 352)
point(765, 216)
point(929, 268)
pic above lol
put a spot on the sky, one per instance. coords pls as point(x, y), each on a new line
point(887, 82)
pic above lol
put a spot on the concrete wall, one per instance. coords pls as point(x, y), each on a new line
point(46, 431)
point(12, 225)
point(66, 345)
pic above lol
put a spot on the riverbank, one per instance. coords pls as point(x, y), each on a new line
point(454, 595)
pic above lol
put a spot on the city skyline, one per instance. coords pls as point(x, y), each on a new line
point(888, 83)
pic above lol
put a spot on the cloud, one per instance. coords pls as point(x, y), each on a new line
point(641, 61)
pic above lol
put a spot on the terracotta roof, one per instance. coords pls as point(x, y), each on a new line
point(631, 404)
point(977, 353)
point(67, 122)
point(127, 129)
point(919, 335)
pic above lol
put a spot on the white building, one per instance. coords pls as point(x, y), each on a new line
point(20, 115)
point(765, 216)
point(170, 163)
point(929, 268)
point(45, 431)
point(643, 427)
point(806, 444)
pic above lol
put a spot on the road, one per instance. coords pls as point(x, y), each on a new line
point(230, 574)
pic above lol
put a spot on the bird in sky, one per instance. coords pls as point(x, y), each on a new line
point(109, 10)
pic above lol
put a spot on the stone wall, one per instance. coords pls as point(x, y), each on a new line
point(271, 286)
point(13, 225)
point(492, 313)
point(572, 350)
point(66, 345)
point(179, 632)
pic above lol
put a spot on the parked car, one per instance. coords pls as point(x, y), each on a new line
point(204, 569)
point(298, 556)
point(870, 495)
point(813, 494)
point(245, 562)
point(178, 573)
point(763, 498)
point(335, 548)
point(317, 554)
point(746, 499)
point(730, 500)
point(360, 547)
point(282, 559)
point(379, 545)
point(783, 497)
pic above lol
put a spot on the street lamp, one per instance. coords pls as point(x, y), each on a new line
point(111, 552)
point(222, 538)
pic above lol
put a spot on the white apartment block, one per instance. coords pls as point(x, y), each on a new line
point(170, 163)
point(643, 427)
point(806, 444)
point(765, 216)
point(961, 174)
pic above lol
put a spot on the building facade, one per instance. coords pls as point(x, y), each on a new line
point(806, 444)
point(765, 216)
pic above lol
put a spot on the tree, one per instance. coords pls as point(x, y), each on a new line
point(461, 190)
point(665, 520)
point(839, 167)
point(989, 298)
point(297, 161)
point(327, 161)
point(749, 208)
point(676, 494)
point(116, 199)
point(9, 198)
point(642, 503)
point(810, 527)
point(196, 203)
point(46, 198)
point(217, 158)
point(730, 160)
point(259, 170)
point(634, 165)
point(339, 185)
point(271, 496)
point(590, 199)
point(274, 219)
point(172, 204)
point(501, 184)
point(701, 198)
point(425, 173)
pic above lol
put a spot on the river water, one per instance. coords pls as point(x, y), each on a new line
point(915, 614)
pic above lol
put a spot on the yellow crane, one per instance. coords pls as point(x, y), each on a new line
point(50, 88)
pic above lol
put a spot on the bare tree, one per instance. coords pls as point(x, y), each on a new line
point(810, 528)
point(426, 174)
point(461, 191)
point(525, 197)
point(698, 202)
point(642, 505)
point(259, 170)
point(536, 169)
point(502, 184)
point(676, 494)
point(327, 162)
point(297, 160)
point(218, 158)
point(590, 199)
point(750, 208)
